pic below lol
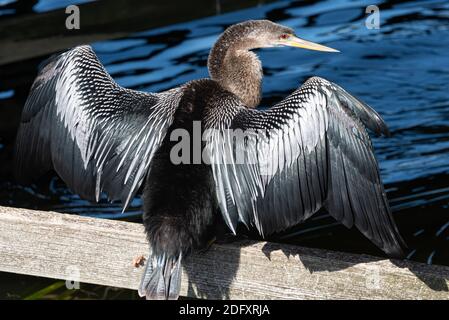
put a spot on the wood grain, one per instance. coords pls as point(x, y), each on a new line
point(56, 245)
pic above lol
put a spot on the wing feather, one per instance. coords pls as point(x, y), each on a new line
point(311, 150)
point(97, 135)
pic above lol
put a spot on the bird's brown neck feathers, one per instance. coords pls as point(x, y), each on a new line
point(235, 67)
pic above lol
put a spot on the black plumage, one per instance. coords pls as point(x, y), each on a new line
point(180, 210)
point(309, 151)
point(317, 153)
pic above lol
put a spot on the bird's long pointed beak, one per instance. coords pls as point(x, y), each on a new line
point(301, 43)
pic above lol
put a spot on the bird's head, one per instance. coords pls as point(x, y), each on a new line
point(265, 33)
point(232, 63)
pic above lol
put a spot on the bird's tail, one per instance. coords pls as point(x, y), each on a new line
point(162, 277)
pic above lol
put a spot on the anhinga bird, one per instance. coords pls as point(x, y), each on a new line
point(309, 151)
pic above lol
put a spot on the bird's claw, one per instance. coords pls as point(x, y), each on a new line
point(139, 261)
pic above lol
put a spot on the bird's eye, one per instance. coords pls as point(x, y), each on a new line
point(284, 36)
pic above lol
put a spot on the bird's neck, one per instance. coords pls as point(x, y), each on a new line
point(237, 69)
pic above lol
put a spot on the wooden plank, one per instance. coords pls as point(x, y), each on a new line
point(55, 245)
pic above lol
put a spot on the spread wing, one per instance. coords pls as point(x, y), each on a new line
point(97, 135)
point(309, 151)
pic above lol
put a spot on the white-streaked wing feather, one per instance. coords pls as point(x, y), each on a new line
point(97, 135)
point(311, 151)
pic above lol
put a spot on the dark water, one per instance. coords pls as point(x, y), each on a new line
point(15, 7)
point(401, 69)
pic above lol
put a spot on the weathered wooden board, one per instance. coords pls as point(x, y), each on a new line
point(56, 245)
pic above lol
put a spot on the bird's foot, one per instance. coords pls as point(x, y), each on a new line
point(139, 261)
